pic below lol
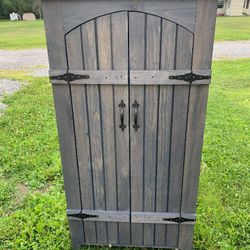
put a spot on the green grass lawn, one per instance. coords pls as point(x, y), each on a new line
point(22, 35)
point(32, 202)
point(25, 35)
point(232, 28)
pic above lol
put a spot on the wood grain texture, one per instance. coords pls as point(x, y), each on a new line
point(203, 49)
point(108, 123)
point(54, 33)
point(136, 62)
point(164, 128)
point(119, 28)
point(95, 130)
point(63, 108)
point(153, 36)
point(80, 116)
point(82, 11)
point(164, 154)
point(180, 108)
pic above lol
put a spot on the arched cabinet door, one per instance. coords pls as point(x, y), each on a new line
point(130, 82)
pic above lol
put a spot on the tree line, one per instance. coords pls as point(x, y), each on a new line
point(20, 7)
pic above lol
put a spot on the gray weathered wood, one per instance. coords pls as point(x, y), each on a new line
point(95, 77)
point(136, 62)
point(158, 218)
point(103, 216)
point(63, 108)
point(108, 123)
point(203, 48)
point(164, 128)
point(78, 93)
point(119, 28)
point(133, 180)
point(153, 36)
point(82, 11)
point(161, 77)
point(95, 129)
point(54, 34)
point(137, 77)
point(180, 108)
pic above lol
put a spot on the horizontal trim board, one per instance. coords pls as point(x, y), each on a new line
point(107, 77)
point(103, 215)
point(161, 77)
point(136, 217)
point(130, 246)
point(159, 218)
point(137, 77)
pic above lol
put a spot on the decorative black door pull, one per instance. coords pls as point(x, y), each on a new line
point(135, 107)
point(122, 107)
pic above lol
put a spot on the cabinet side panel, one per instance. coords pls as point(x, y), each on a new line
point(203, 49)
point(52, 11)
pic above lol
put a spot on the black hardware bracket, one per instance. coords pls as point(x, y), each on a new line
point(179, 220)
point(136, 105)
point(122, 105)
point(82, 216)
point(69, 77)
point(189, 77)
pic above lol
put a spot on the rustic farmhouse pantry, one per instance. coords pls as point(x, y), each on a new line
point(130, 82)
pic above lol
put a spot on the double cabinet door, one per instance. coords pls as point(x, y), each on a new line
point(130, 125)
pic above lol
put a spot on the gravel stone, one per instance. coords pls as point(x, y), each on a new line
point(231, 50)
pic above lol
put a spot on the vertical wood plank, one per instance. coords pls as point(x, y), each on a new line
point(203, 49)
point(75, 61)
point(179, 120)
point(164, 128)
point(95, 131)
point(153, 34)
point(119, 28)
point(107, 110)
point(63, 108)
point(137, 62)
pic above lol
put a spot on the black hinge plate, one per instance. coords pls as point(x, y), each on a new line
point(69, 77)
point(189, 77)
point(179, 219)
point(82, 216)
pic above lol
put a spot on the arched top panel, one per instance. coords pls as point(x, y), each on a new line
point(145, 13)
point(129, 40)
point(181, 12)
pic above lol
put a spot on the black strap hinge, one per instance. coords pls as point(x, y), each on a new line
point(82, 216)
point(179, 219)
point(69, 77)
point(189, 77)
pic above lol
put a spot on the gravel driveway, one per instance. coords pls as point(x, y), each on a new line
point(35, 61)
point(231, 50)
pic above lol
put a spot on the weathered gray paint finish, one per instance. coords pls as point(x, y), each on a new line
point(84, 10)
point(133, 180)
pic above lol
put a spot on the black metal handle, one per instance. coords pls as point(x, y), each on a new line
point(135, 108)
point(122, 107)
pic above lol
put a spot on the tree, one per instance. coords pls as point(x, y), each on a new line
point(3, 12)
point(18, 6)
point(37, 8)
